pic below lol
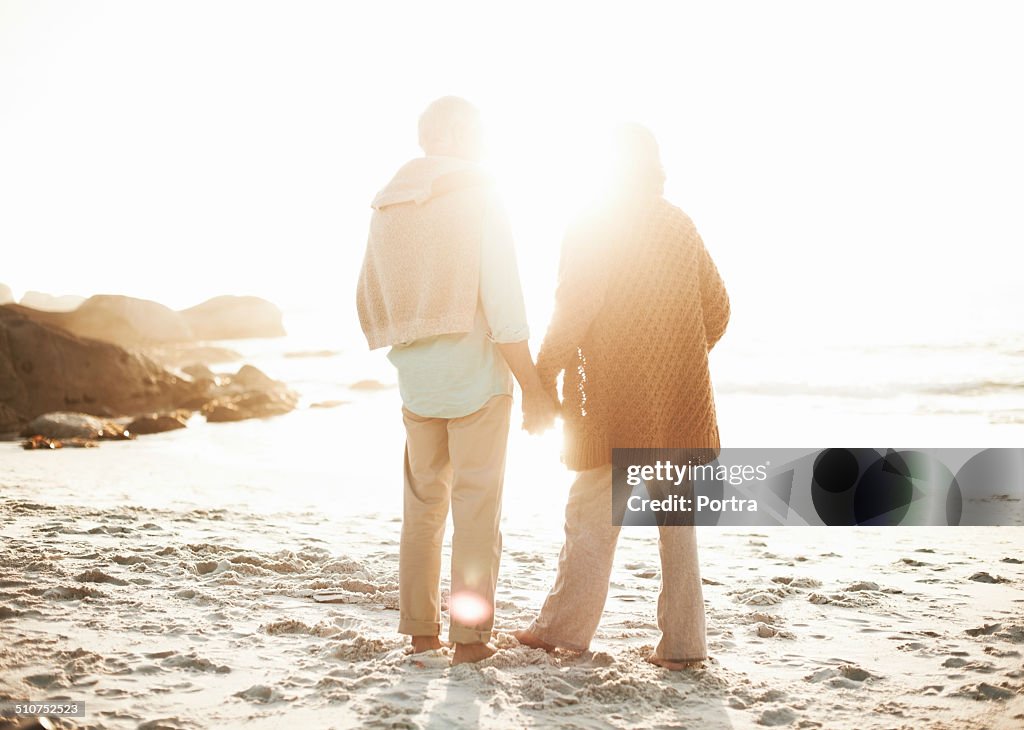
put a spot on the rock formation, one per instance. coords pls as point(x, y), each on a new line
point(50, 303)
point(123, 321)
point(248, 394)
point(234, 318)
point(140, 323)
point(62, 425)
point(158, 422)
point(44, 370)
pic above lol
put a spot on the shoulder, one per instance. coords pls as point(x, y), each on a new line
point(465, 185)
point(670, 223)
point(673, 217)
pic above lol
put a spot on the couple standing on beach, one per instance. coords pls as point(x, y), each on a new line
point(639, 304)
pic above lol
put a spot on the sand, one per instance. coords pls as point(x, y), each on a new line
point(178, 618)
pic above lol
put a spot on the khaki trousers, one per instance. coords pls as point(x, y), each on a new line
point(573, 608)
point(458, 462)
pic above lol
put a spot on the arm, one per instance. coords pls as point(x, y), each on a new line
point(582, 278)
point(501, 297)
point(539, 408)
point(520, 362)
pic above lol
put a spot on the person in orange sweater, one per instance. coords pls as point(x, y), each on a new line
point(639, 305)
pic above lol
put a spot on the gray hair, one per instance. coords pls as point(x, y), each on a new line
point(444, 117)
point(637, 158)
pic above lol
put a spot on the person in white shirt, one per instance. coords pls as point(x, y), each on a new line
point(440, 286)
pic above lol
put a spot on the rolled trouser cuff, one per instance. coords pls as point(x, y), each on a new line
point(412, 627)
point(463, 635)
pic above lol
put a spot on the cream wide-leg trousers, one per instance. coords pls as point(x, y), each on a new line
point(573, 608)
point(458, 462)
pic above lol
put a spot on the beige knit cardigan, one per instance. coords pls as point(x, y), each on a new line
point(421, 269)
point(639, 304)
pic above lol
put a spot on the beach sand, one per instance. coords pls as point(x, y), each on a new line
point(159, 613)
point(169, 583)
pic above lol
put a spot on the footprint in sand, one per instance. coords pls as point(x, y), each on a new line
point(758, 596)
point(1001, 653)
point(797, 583)
point(98, 576)
point(913, 563)
point(955, 662)
point(846, 676)
point(984, 630)
point(844, 600)
point(260, 693)
point(777, 716)
point(862, 585)
point(1013, 634)
point(984, 577)
point(766, 631)
point(70, 593)
point(984, 691)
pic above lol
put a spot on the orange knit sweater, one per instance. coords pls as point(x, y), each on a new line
point(639, 304)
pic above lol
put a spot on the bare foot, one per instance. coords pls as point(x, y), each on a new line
point(472, 653)
point(421, 644)
point(526, 638)
point(675, 666)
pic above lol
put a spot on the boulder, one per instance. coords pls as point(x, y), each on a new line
point(128, 322)
point(44, 369)
point(252, 378)
point(199, 372)
point(50, 303)
point(234, 318)
point(6, 295)
point(68, 425)
point(159, 422)
point(249, 405)
point(140, 323)
point(218, 411)
point(250, 393)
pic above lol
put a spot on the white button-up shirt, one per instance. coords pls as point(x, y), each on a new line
point(449, 376)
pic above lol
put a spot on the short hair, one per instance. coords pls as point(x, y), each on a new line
point(637, 156)
point(443, 116)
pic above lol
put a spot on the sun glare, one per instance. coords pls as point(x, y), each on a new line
point(548, 171)
point(468, 608)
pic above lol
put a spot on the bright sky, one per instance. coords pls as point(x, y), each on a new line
point(853, 161)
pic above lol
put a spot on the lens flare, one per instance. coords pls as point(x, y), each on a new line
point(468, 608)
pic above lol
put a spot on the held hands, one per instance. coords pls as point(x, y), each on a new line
point(539, 411)
point(540, 405)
